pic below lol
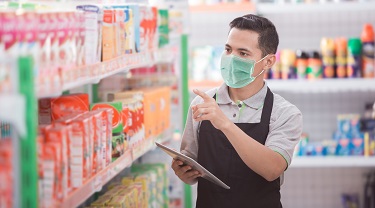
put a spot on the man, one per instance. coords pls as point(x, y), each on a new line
point(241, 132)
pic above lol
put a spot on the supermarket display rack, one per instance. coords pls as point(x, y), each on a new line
point(332, 162)
point(95, 183)
point(121, 64)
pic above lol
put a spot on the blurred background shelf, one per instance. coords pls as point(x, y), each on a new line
point(333, 162)
point(322, 85)
point(269, 8)
point(224, 7)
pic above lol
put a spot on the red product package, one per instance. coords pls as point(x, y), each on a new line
point(66, 122)
point(51, 109)
point(6, 172)
point(50, 160)
point(58, 135)
point(80, 161)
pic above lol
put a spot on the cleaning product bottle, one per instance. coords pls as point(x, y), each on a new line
point(288, 70)
point(314, 66)
point(368, 51)
point(327, 47)
point(341, 57)
point(301, 64)
point(354, 69)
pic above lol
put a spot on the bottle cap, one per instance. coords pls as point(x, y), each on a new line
point(367, 33)
point(354, 46)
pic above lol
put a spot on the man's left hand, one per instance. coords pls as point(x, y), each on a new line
point(209, 110)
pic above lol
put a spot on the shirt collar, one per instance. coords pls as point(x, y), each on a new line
point(255, 101)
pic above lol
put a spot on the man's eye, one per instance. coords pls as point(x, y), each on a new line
point(243, 54)
point(227, 50)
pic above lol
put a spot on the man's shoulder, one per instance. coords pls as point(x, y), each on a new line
point(198, 99)
point(281, 106)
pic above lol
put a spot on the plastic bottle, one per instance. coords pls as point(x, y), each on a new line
point(314, 66)
point(341, 57)
point(301, 64)
point(368, 51)
point(288, 70)
point(354, 69)
point(327, 47)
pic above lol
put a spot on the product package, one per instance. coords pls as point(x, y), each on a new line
point(109, 36)
point(93, 20)
point(51, 109)
point(136, 27)
point(116, 108)
point(163, 27)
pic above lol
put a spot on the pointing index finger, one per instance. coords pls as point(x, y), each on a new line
point(202, 95)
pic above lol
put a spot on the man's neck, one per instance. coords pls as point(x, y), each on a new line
point(246, 92)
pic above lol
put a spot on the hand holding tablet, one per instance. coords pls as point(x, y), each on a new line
point(192, 163)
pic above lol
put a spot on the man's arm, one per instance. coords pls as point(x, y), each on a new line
point(261, 159)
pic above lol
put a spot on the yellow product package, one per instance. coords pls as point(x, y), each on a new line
point(102, 201)
point(117, 201)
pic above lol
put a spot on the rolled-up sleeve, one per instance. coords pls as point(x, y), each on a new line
point(285, 132)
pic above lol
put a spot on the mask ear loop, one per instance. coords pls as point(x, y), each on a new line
point(263, 69)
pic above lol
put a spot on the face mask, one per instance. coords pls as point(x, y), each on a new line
point(237, 72)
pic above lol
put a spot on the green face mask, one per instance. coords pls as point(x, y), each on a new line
point(237, 72)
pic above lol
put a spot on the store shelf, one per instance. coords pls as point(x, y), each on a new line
point(322, 85)
point(95, 183)
point(271, 8)
point(331, 162)
point(117, 65)
point(224, 7)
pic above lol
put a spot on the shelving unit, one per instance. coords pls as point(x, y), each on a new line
point(304, 86)
point(322, 85)
point(117, 65)
point(268, 8)
point(95, 183)
point(333, 162)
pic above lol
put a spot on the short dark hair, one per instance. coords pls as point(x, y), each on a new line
point(268, 38)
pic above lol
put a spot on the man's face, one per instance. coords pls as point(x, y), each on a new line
point(244, 44)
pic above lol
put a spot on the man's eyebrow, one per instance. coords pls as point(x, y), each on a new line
point(227, 46)
point(244, 49)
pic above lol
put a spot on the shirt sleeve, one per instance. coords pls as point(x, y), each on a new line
point(285, 132)
point(189, 143)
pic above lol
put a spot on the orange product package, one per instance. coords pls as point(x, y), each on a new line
point(97, 140)
point(104, 128)
point(6, 172)
point(80, 161)
point(51, 109)
point(50, 168)
point(91, 137)
point(66, 122)
point(164, 108)
point(58, 135)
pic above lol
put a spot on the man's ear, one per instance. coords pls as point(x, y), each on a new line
point(270, 61)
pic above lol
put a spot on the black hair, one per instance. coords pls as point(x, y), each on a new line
point(268, 38)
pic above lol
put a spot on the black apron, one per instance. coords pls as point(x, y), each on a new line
point(216, 154)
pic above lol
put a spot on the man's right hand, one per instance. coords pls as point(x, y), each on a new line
point(185, 172)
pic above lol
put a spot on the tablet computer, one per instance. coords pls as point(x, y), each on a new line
point(195, 165)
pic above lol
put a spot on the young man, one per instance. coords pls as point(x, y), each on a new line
point(241, 132)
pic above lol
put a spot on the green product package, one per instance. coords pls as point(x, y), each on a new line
point(163, 27)
point(117, 123)
point(118, 148)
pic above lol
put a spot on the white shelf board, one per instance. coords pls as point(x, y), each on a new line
point(279, 8)
point(117, 65)
point(332, 161)
point(322, 85)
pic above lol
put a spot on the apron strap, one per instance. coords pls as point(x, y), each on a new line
point(267, 108)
